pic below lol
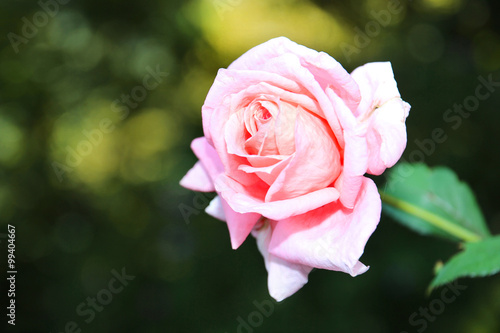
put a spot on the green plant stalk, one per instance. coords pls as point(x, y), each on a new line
point(433, 219)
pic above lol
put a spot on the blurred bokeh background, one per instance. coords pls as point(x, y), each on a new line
point(99, 101)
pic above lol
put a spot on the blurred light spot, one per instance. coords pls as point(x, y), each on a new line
point(11, 142)
point(193, 90)
point(138, 53)
point(486, 46)
point(236, 26)
point(475, 14)
point(425, 43)
point(388, 12)
point(72, 233)
point(146, 138)
point(149, 169)
point(84, 143)
point(149, 132)
point(447, 7)
point(69, 31)
point(89, 57)
point(148, 53)
point(66, 87)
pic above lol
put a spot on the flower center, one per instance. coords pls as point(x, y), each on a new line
point(262, 114)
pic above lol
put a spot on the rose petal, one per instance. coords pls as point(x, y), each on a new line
point(314, 70)
point(387, 137)
point(207, 156)
point(239, 225)
point(355, 166)
point(268, 173)
point(284, 128)
point(197, 179)
point(289, 65)
point(284, 278)
point(316, 163)
point(229, 82)
point(326, 70)
point(220, 105)
point(215, 209)
point(355, 153)
point(331, 237)
point(246, 200)
point(377, 85)
point(382, 113)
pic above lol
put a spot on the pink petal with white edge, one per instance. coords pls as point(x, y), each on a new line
point(387, 136)
point(284, 278)
point(377, 85)
point(197, 179)
point(381, 114)
point(208, 157)
point(331, 237)
point(215, 209)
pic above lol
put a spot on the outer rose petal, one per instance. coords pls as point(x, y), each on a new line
point(215, 209)
point(331, 237)
point(355, 164)
point(355, 153)
point(208, 157)
point(239, 225)
point(197, 179)
point(326, 70)
point(284, 278)
point(377, 85)
point(241, 200)
point(382, 113)
point(387, 137)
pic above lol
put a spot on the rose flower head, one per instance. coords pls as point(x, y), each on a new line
point(289, 135)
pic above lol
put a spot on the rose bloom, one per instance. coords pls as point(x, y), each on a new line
point(289, 136)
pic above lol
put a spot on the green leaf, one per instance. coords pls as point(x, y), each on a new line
point(433, 202)
point(477, 259)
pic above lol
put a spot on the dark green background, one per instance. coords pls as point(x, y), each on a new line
point(119, 207)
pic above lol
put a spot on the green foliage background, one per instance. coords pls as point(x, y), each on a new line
point(119, 206)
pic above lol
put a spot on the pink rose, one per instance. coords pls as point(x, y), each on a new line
point(289, 135)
